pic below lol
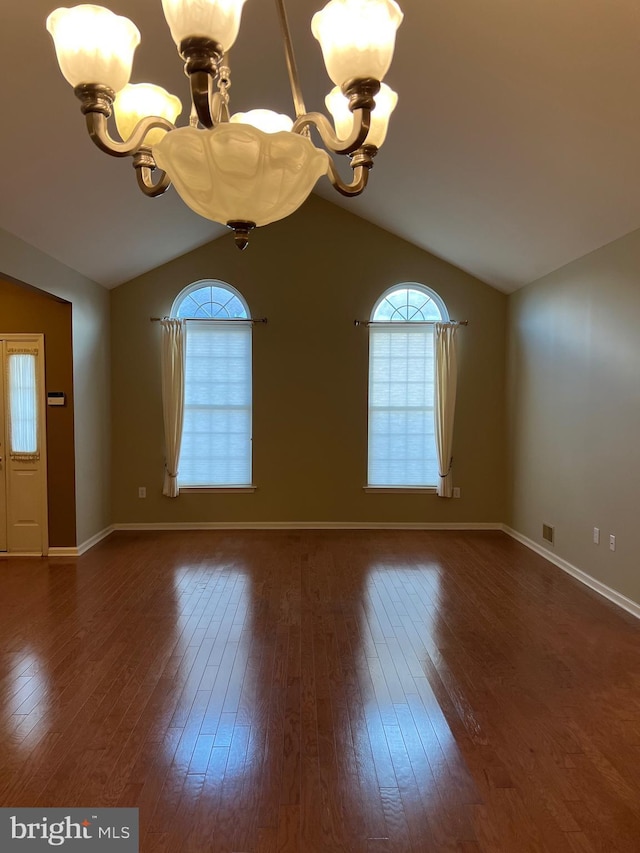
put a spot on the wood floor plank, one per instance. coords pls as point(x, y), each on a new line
point(323, 692)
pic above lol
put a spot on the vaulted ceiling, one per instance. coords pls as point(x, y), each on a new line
point(514, 148)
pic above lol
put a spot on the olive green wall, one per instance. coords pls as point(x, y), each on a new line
point(24, 310)
point(90, 340)
point(311, 275)
point(574, 412)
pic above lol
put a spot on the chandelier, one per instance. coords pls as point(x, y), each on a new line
point(245, 169)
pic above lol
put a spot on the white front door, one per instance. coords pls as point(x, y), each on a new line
point(23, 502)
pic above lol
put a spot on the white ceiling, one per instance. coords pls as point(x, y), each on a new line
point(514, 148)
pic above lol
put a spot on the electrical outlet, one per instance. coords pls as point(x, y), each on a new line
point(142, 491)
point(456, 491)
point(612, 542)
point(596, 535)
point(548, 532)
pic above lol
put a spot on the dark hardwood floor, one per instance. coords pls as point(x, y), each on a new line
point(366, 692)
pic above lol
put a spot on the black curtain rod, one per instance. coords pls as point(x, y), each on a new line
point(412, 322)
point(212, 319)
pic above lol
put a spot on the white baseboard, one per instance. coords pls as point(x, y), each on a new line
point(308, 525)
point(7, 554)
point(98, 537)
point(62, 552)
point(611, 594)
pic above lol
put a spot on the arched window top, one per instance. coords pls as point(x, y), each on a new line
point(409, 302)
point(210, 300)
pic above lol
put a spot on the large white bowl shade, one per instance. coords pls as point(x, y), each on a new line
point(236, 172)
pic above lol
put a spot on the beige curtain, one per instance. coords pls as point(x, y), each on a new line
point(445, 402)
point(173, 361)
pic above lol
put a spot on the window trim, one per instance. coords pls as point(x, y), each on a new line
point(411, 285)
point(224, 489)
point(405, 490)
point(208, 282)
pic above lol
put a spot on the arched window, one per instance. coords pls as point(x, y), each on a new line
point(216, 434)
point(210, 300)
point(402, 448)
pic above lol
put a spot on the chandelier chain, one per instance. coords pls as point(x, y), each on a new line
point(224, 82)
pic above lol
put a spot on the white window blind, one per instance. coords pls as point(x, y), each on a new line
point(216, 435)
point(23, 403)
point(402, 449)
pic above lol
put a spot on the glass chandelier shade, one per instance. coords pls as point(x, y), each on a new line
point(357, 37)
point(236, 172)
point(93, 45)
point(338, 106)
point(266, 120)
point(218, 20)
point(139, 100)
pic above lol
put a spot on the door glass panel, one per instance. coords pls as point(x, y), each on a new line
point(23, 403)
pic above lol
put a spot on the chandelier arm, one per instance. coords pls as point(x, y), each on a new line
point(202, 97)
point(99, 133)
point(361, 124)
point(360, 179)
point(146, 184)
point(292, 68)
point(202, 57)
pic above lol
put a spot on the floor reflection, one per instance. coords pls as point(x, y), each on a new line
point(218, 670)
point(24, 717)
point(27, 690)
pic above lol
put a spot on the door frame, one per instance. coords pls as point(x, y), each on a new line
point(38, 340)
